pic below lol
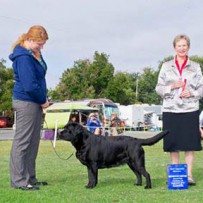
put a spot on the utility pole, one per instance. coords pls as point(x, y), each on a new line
point(136, 92)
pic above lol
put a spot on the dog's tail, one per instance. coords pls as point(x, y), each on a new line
point(154, 139)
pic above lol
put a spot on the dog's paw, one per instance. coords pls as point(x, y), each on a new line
point(148, 187)
point(90, 186)
point(138, 184)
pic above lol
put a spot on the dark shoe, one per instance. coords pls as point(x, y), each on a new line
point(40, 183)
point(28, 187)
point(191, 181)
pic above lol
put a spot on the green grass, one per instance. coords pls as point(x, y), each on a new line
point(67, 179)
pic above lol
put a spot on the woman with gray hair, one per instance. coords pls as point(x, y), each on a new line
point(180, 85)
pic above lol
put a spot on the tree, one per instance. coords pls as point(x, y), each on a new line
point(74, 83)
point(120, 89)
point(147, 84)
point(94, 79)
point(101, 72)
point(6, 86)
point(85, 79)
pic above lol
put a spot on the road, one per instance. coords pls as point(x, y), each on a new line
point(8, 133)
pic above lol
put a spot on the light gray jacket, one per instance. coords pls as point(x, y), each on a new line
point(194, 83)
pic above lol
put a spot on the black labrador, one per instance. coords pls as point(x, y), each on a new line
point(97, 152)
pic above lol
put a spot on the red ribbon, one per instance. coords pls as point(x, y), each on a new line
point(180, 69)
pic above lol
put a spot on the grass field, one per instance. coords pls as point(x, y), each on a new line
point(67, 179)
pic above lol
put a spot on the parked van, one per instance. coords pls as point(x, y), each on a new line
point(105, 107)
point(63, 112)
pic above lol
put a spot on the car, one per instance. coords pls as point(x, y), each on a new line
point(6, 122)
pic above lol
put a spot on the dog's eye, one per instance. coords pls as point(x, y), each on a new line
point(67, 131)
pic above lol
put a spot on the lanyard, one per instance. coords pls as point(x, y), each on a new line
point(180, 69)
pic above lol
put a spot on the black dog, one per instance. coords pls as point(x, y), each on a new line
point(97, 152)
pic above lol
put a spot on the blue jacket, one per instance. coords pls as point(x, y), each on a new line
point(92, 126)
point(29, 76)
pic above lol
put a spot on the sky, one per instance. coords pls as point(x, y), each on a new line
point(134, 33)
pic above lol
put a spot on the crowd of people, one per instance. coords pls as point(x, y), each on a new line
point(114, 125)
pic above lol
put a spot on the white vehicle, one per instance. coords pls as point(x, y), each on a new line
point(141, 117)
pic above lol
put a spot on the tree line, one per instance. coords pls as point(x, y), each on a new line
point(98, 79)
point(95, 79)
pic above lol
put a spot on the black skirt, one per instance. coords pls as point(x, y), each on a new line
point(184, 133)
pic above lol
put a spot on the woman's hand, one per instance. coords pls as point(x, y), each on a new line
point(185, 94)
point(45, 105)
point(177, 85)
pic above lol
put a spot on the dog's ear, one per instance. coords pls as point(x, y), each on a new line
point(80, 131)
point(76, 129)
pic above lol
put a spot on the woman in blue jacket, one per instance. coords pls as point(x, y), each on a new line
point(29, 98)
